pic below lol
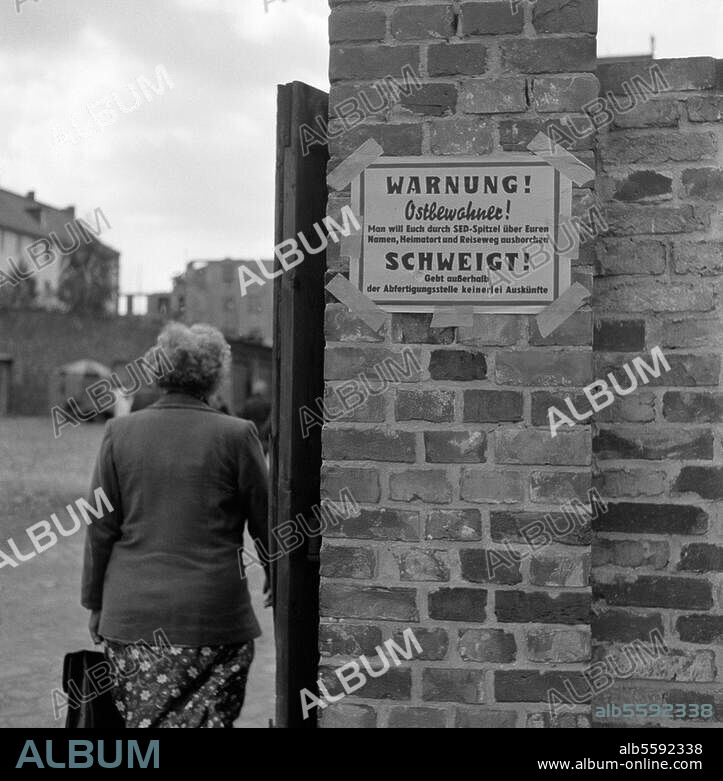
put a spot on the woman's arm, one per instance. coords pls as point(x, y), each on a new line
point(254, 487)
point(103, 532)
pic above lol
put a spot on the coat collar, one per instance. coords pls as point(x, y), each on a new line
point(182, 400)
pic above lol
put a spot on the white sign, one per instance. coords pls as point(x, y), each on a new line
point(451, 232)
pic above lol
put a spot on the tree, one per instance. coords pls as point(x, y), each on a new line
point(87, 279)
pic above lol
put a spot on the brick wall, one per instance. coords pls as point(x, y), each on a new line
point(40, 342)
point(658, 552)
point(449, 464)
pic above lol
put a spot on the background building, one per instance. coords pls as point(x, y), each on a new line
point(86, 276)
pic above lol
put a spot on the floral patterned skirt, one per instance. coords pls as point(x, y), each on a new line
point(185, 687)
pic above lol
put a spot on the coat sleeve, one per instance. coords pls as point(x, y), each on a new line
point(103, 532)
point(254, 488)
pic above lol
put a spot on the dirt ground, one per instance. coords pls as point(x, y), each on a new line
point(40, 615)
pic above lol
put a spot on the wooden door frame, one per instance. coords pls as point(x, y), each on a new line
point(297, 380)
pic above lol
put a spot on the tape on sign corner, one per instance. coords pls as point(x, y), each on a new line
point(452, 316)
point(567, 164)
point(353, 165)
point(357, 302)
point(553, 316)
point(351, 246)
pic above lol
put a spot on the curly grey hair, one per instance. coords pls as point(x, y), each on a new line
point(200, 357)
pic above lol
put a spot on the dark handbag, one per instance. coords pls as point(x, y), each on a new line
point(87, 708)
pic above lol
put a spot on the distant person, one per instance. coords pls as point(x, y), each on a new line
point(257, 409)
point(183, 480)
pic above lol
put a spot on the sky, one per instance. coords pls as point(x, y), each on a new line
point(189, 174)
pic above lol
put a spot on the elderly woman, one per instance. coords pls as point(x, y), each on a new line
point(183, 479)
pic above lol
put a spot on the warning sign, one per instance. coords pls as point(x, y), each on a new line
point(456, 232)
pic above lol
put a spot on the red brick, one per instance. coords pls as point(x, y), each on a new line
point(642, 518)
point(630, 553)
point(416, 718)
point(420, 564)
point(346, 363)
point(538, 367)
point(507, 525)
point(706, 183)
point(549, 55)
point(457, 365)
point(348, 562)
point(543, 400)
point(624, 627)
point(348, 444)
point(490, 96)
point(701, 629)
point(358, 24)
point(490, 406)
point(456, 58)
point(368, 602)
point(344, 326)
point(490, 18)
point(701, 557)
point(415, 328)
point(691, 73)
point(706, 481)
point(426, 485)
point(619, 336)
point(394, 139)
point(362, 483)
point(558, 646)
point(348, 639)
point(560, 571)
point(461, 524)
point(654, 113)
point(342, 716)
point(516, 134)
point(422, 22)
point(688, 407)
point(369, 62)
point(487, 645)
point(563, 93)
point(631, 482)
point(633, 220)
point(486, 486)
point(656, 445)
point(481, 565)
point(455, 447)
point(436, 406)
point(434, 643)
point(458, 604)
point(537, 607)
point(442, 685)
point(649, 295)
point(662, 146)
point(534, 686)
point(705, 108)
point(565, 16)
point(657, 591)
point(526, 446)
point(395, 684)
point(549, 487)
point(700, 257)
point(485, 719)
point(381, 523)
point(340, 400)
point(461, 135)
point(643, 186)
point(434, 100)
point(491, 330)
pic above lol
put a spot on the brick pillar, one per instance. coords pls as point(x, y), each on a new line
point(448, 465)
point(659, 549)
